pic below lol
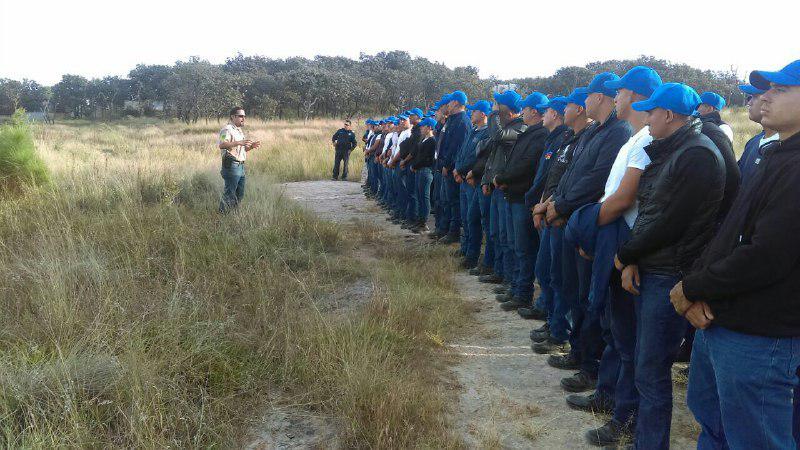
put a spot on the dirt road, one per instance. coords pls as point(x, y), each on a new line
point(507, 396)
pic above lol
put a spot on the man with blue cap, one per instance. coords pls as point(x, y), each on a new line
point(452, 138)
point(558, 131)
point(679, 195)
point(368, 139)
point(552, 337)
point(753, 154)
point(442, 112)
point(407, 150)
point(373, 152)
point(500, 142)
point(398, 214)
point(711, 104)
point(583, 183)
point(472, 235)
point(514, 177)
point(616, 393)
point(742, 295)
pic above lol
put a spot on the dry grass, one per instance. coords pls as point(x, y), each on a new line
point(743, 128)
point(136, 316)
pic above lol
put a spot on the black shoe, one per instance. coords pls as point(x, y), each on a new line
point(468, 264)
point(448, 239)
point(505, 297)
point(406, 225)
point(515, 304)
point(491, 279)
point(397, 221)
point(532, 313)
point(545, 327)
point(436, 235)
point(480, 270)
point(540, 336)
point(421, 228)
point(564, 362)
point(592, 403)
point(609, 434)
point(552, 347)
point(502, 289)
point(580, 382)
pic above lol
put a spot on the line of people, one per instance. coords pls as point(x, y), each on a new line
point(625, 202)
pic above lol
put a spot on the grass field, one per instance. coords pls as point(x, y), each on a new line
point(134, 315)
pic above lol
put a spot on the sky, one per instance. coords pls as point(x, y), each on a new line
point(42, 40)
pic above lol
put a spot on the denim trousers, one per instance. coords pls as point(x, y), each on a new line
point(424, 179)
point(741, 389)
point(505, 238)
point(500, 250)
point(542, 270)
point(560, 325)
point(526, 246)
point(659, 332)
point(233, 191)
point(437, 202)
point(484, 203)
point(412, 208)
point(470, 222)
point(449, 197)
point(586, 338)
point(617, 369)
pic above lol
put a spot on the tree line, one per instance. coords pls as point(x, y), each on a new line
point(306, 88)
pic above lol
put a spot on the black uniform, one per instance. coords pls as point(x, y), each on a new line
point(345, 141)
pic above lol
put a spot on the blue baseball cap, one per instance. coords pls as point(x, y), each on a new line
point(392, 120)
point(598, 84)
point(750, 89)
point(712, 99)
point(509, 99)
point(402, 117)
point(788, 76)
point(578, 96)
point(482, 106)
point(415, 112)
point(676, 97)
point(428, 122)
point(640, 79)
point(459, 96)
point(558, 104)
point(533, 101)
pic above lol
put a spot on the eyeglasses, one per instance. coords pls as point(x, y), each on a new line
point(240, 115)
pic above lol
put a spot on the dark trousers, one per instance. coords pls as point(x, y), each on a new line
point(495, 219)
point(424, 179)
point(560, 326)
point(342, 156)
point(484, 203)
point(545, 300)
point(621, 310)
point(450, 210)
point(470, 222)
point(412, 208)
point(586, 339)
point(526, 246)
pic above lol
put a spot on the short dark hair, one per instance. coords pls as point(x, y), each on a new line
point(347, 121)
point(236, 109)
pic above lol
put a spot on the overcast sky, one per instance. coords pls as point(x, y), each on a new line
point(42, 40)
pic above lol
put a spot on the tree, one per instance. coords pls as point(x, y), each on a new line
point(70, 95)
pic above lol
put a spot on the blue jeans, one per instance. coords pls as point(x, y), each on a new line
point(495, 214)
point(233, 192)
point(560, 326)
point(659, 332)
point(451, 217)
point(504, 226)
point(740, 389)
point(424, 179)
point(526, 246)
point(464, 199)
point(485, 206)
point(437, 202)
point(586, 339)
point(542, 270)
point(470, 222)
point(412, 210)
point(621, 309)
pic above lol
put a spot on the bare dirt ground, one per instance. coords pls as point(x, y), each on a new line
point(505, 396)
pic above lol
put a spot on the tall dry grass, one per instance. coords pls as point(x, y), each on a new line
point(134, 315)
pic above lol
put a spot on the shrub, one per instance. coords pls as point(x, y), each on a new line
point(19, 163)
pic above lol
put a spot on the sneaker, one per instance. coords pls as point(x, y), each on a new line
point(480, 270)
point(449, 239)
point(540, 336)
point(580, 382)
point(609, 434)
point(491, 279)
point(592, 403)
point(514, 304)
point(532, 313)
point(552, 347)
point(502, 289)
point(505, 297)
point(564, 362)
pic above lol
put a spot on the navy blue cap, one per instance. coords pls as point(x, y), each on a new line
point(788, 76)
point(597, 86)
point(459, 96)
point(415, 112)
point(750, 89)
point(533, 101)
point(509, 99)
point(712, 99)
point(558, 104)
point(428, 122)
point(578, 96)
point(676, 97)
point(482, 106)
point(640, 79)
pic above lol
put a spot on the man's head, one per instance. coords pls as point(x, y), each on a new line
point(403, 122)
point(600, 99)
point(753, 101)
point(710, 102)
point(532, 109)
point(237, 116)
point(554, 112)
point(415, 115)
point(508, 107)
point(780, 108)
point(426, 126)
point(636, 85)
point(480, 112)
point(348, 125)
point(458, 100)
point(668, 109)
point(575, 111)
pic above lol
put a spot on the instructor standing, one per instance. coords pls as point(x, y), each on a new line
point(234, 147)
point(344, 141)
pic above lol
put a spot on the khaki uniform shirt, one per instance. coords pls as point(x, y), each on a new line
point(232, 133)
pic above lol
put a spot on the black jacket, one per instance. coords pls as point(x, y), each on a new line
point(499, 144)
point(344, 139)
point(679, 195)
point(750, 273)
point(483, 150)
point(733, 175)
point(408, 145)
point(519, 167)
point(425, 155)
point(562, 157)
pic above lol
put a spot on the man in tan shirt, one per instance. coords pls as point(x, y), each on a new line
point(233, 148)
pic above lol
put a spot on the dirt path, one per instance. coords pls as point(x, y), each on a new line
point(508, 397)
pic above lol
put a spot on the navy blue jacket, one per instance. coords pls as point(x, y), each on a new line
point(468, 153)
point(553, 142)
point(455, 133)
point(585, 179)
point(751, 156)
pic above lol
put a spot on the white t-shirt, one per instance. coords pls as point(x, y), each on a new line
point(389, 139)
point(727, 130)
point(230, 133)
point(405, 134)
point(767, 140)
point(631, 154)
